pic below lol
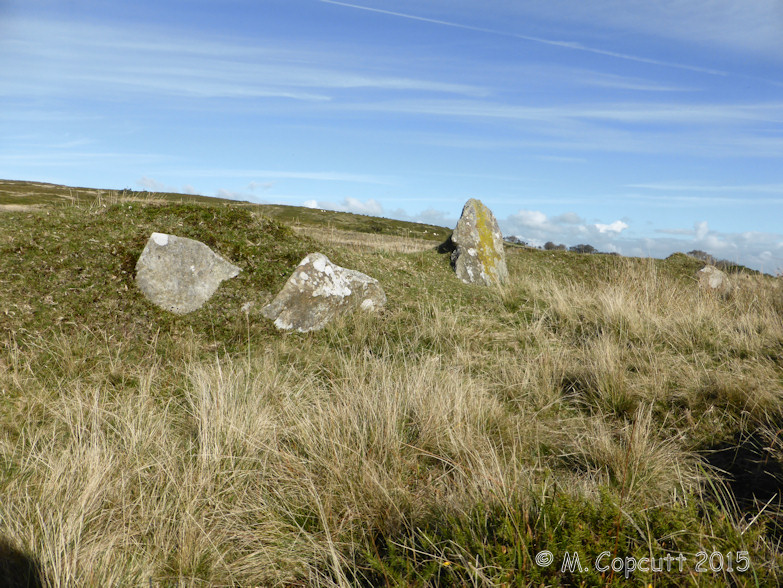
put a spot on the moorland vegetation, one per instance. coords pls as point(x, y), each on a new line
point(592, 404)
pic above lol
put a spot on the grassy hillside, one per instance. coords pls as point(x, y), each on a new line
point(18, 195)
point(595, 404)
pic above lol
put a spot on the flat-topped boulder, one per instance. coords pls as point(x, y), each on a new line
point(319, 291)
point(478, 256)
point(180, 274)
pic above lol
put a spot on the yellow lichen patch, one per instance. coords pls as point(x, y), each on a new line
point(487, 253)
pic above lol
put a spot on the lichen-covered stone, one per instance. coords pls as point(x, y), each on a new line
point(478, 256)
point(180, 274)
point(318, 291)
point(714, 280)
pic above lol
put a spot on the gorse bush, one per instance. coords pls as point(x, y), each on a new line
point(593, 404)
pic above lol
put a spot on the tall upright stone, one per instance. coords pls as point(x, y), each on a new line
point(180, 274)
point(319, 291)
point(478, 256)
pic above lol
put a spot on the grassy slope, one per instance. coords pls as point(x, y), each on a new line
point(447, 440)
point(41, 194)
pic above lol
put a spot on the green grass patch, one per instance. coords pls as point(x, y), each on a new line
point(592, 543)
point(71, 268)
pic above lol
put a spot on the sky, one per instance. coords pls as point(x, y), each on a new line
point(638, 127)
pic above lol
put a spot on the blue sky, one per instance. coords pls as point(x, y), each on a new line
point(639, 127)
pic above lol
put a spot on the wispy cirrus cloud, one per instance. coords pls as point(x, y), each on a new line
point(619, 82)
point(70, 158)
point(567, 45)
point(703, 129)
point(738, 24)
point(95, 60)
point(261, 176)
point(687, 113)
point(695, 187)
point(694, 193)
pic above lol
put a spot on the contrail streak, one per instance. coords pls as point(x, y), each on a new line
point(563, 44)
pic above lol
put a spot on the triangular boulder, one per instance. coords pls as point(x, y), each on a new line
point(319, 291)
point(180, 274)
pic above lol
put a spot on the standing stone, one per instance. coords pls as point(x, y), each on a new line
point(712, 279)
point(478, 257)
point(318, 291)
point(180, 274)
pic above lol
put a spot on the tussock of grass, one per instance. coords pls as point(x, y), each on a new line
point(594, 403)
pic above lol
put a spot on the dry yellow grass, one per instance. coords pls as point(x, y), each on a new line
point(372, 241)
point(18, 207)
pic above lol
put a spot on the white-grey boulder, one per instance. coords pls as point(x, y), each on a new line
point(319, 291)
point(478, 256)
point(714, 280)
point(180, 274)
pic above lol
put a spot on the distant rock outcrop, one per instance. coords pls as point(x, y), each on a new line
point(318, 291)
point(180, 274)
point(712, 279)
point(478, 256)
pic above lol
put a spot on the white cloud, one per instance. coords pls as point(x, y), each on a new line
point(369, 207)
point(676, 231)
point(253, 186)
point(762, 251)
point(232, 195)
point(536, 228)
point(532, 219)
point(615, 227)
point(154, 185)
point(702, 229)
point(569, 218)
point(429, 216)
point(151, 184)
point(754, 249)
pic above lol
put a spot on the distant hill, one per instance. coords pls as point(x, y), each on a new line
point(22, 195)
